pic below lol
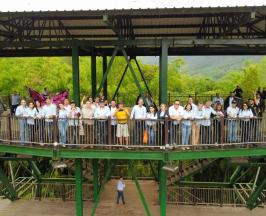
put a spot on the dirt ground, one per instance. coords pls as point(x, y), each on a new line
point(108, 205)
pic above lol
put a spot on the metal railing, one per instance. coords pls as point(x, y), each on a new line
point(183, 98)
point(184, 134)
point(205, 196)
point(64, 191)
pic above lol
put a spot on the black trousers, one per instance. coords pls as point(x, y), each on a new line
point(120, 194)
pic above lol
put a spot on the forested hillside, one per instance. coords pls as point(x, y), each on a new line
point(56, 74)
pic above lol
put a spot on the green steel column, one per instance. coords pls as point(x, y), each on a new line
point(10, 192)
point(79, 197)
point(163, 72)
point(95, 178)
point(93, 75)
point(142, 197)
point(75, 69)
point(104, 71)
point(162, 190)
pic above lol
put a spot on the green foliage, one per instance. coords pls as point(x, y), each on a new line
point(56, 74)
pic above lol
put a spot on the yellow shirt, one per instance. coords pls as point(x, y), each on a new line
point(121, 116)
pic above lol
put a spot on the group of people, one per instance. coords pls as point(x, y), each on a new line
point(99, 122)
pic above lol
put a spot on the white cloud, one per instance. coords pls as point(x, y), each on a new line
point(36, 5)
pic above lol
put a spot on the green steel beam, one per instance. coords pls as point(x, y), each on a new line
point(162, 190)
point(142, 197)
point(235, 175)
point(75, 70)
point(153, 172)
point(16, 159)
point(120, 82)
point(41, 152)
point(36, 172)
point(204, 184)
point(252, 201)
point(169, 155)
point(163, 72)
point(78, 189)
point(9, 192)
point(105, 180)
point(219, 153)
point(95, 179)
point(142, 76)
point(133, 74)
point(105, 85)
point(107, 70)
point(93, 74)
point(115, 154)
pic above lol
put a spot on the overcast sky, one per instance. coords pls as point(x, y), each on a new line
point(36, 5)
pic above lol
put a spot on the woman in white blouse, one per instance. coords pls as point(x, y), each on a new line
point(62, 123)
point(31, 115)
point(151, 125)
point(245, 127)
point(39, 122)
point(87, 113)
point(186, 124)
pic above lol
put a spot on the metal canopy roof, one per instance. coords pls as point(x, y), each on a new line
point(54, 32)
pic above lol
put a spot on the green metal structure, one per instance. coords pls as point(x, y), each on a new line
point(132, 33)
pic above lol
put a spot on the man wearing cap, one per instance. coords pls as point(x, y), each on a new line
point(102, 113)
point(122, 115)
point(232, 113)
point(228, 100)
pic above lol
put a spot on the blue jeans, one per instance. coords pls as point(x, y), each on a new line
point(23, 133)
point(120, 194)
point(48, 132)
point(232, 131)
point(151, 134)
point(186, 131)
point(62, 126)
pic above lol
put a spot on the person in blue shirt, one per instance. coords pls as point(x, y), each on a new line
point(120, 190)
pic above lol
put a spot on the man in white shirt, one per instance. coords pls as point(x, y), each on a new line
point(176, 113)
point(49, 111)
point(113, 109)
point(21, 113)
point(102, 113)
point(15, 99)
point(206, 130)
point(139, 113)
point(232, 113)
point(120, 190)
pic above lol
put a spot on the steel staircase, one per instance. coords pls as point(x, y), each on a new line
point(188, 168)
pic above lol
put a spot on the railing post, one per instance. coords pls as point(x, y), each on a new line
point(9, 128)
point(222, 130)
point(55, 130)
point(109, 131)
point(166, 122)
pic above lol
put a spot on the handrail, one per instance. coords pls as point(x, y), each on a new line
point(163, 134)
